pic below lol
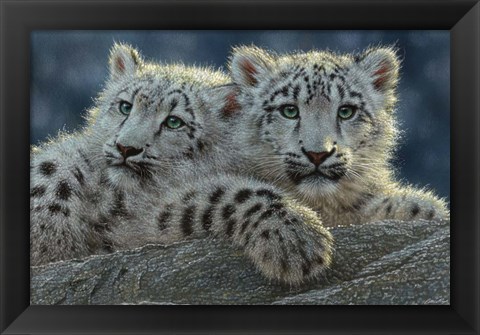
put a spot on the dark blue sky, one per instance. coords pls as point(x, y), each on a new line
point(69, 69)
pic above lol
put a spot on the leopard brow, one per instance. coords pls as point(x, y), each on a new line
point(134, 94)
point(283, 91)
point(173, 105)
point(125, 90)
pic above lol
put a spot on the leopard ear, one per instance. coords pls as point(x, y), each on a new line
point(382, 65)
point(249, 64)
point(222, 100)
point(124, 61)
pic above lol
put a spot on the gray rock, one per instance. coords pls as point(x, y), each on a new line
point(379, 263)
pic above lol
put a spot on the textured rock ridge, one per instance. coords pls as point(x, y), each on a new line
point(387, 262)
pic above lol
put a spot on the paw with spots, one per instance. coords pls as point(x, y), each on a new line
point(287, 242)
point(410, 204)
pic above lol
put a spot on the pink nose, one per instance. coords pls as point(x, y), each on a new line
point(318, 158)
point(128, 151)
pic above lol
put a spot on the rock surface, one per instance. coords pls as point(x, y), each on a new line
point(379, 263)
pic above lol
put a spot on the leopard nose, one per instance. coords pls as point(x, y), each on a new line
point(318, 158)
point(128, 151)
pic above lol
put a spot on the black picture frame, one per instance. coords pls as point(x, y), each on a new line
point(18, 18)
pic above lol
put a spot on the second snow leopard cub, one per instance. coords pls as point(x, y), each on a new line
point(149, 167)
point(322, 125)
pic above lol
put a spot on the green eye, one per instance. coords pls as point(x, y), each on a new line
point(289, 111)
point(125, 107)
point(346, 112)
point(174, 122)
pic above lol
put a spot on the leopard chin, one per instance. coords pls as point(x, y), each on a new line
point(317, 177)
point(312, 191)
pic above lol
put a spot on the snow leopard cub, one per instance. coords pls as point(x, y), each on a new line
point(151, 166)
point(322, 125)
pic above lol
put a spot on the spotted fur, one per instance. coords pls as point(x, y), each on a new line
point(340, 167)
point(127, 179)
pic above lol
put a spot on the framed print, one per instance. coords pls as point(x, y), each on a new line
point(354, 277)
point(154, 180)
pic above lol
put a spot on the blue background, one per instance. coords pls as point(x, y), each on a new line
point(70, 67)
